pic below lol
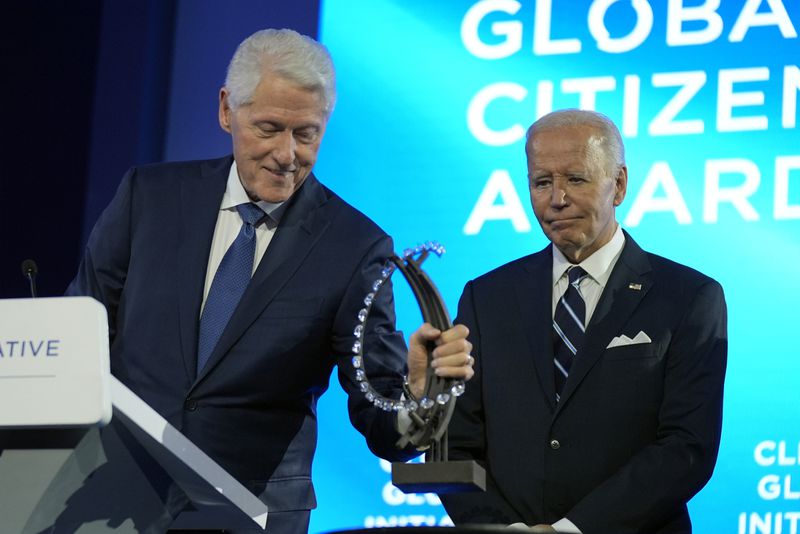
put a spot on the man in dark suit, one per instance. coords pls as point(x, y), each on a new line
point(597, 400)
point(237, 363)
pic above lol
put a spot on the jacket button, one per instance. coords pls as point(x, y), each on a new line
point(554, 444)
point(190, 405)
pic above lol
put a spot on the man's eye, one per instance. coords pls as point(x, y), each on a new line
point(305, 136)
point(541, 183)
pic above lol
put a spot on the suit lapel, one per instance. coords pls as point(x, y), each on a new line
point(535, 305)
point(299, 230)
point(628, 284)
point(200, 198)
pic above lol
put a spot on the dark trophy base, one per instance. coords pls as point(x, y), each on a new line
point(439, 477)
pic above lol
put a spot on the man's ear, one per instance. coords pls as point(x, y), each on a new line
point(225, 111)
point(620, 185)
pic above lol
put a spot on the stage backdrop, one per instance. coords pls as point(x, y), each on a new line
point(427, 138)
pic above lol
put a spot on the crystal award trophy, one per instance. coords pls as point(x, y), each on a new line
point(430, 413)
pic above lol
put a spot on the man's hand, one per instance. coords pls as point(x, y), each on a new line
point(451, 357)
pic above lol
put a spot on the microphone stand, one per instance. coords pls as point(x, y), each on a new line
point(29, 271)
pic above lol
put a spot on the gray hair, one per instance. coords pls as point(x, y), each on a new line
point(284, 53)
point(605, 148)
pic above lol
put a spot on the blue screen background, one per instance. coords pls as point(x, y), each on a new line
point(399, 148)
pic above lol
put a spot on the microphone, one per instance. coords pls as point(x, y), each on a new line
point(29, 271)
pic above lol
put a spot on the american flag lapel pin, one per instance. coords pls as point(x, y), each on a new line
point(634, 286)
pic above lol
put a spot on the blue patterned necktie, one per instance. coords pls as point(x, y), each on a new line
point(568, 323)
point(230, 281)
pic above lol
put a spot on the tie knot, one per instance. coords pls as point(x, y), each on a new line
point(576, 274)
point(250, 213)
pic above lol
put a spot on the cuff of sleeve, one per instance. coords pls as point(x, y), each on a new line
point(403, 421)
point(566, 526)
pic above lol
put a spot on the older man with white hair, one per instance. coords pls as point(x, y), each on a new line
point(597, 400)
point(233, 286)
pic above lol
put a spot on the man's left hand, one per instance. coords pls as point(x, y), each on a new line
point(451, 357)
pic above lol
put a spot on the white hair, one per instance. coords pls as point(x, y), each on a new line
point(605, 148)
point(283, 53)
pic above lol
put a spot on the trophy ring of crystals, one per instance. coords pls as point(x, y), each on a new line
point(431, 412)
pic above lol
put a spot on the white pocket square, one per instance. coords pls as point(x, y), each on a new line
point(621, 341)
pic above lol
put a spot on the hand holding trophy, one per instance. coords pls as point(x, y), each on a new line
point(428, 401)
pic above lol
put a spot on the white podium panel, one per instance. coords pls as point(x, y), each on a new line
point(54, 367)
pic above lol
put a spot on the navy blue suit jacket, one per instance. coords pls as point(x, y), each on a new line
point(253, 406)
point(636, 432)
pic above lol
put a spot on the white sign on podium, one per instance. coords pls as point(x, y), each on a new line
point(54, 367)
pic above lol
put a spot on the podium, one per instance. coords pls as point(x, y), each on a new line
point(80, 452)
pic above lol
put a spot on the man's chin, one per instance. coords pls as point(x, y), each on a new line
point(276, 198)
point(561, 238)
point(566, 245)
point(272, 194)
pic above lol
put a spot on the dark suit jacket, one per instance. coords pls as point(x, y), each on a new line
point(637, 429)
point(253, 406)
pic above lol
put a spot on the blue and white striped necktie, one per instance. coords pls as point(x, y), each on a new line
point(569, 325)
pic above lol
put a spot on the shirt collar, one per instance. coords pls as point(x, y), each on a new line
point(598, 265)
point(235, 195)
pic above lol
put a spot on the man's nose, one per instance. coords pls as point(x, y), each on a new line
point(558, 198)
point(284, 149)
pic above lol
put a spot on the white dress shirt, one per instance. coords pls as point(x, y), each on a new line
point(229, 223)
point(599, 266)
